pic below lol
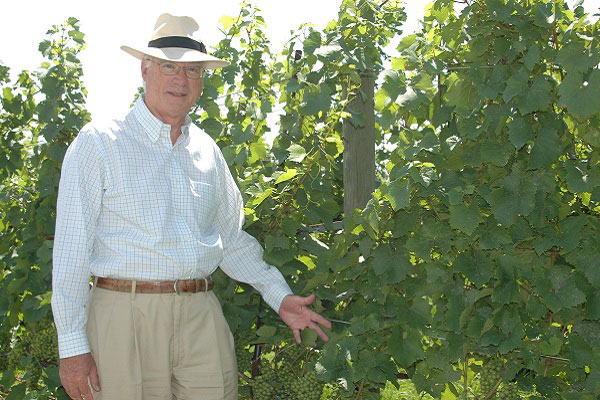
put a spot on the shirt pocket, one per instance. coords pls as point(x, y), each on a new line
point(204, 202)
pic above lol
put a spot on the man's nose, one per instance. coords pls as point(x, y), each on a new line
point(180, 76)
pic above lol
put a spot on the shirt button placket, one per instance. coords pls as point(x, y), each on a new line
point(179, 193)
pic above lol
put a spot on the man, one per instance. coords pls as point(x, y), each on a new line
point(148, 208)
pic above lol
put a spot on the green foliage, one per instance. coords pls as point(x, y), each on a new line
point(41, 114)
point(473, 246)
point(473, 270)
point(479, 234)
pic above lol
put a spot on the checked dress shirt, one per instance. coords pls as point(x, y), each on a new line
point(132, 205)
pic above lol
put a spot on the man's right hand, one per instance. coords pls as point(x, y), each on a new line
point(74, 374)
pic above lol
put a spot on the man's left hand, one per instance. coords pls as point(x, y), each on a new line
point(295, 313)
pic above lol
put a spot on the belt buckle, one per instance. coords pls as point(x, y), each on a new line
point(179, 292)
point(176, 287)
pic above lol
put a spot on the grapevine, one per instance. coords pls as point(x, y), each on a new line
point(480, 238)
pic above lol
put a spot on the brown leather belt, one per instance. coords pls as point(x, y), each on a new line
point(178, 286)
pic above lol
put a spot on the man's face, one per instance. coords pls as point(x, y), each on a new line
point(170, 97)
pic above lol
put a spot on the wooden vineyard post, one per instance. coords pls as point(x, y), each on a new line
point(359, 148)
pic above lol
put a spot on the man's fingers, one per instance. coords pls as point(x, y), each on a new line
point(79, 390)
point(309, 299)
point(94, 379)
point(84, 389)
point(319, 331)
point(320, 319)
point(297, 336)
point(87, 394)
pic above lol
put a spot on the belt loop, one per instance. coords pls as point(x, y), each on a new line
point(94, 284)
point(133, 287)
point(205, 284)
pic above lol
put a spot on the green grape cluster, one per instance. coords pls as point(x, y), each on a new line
point(292, 353)
point(34, 373)
point(244, 357)
point(270, 375)
point(307, 387)
point(43, 343)
point(286, 378)
point(15, 356)
point(36, 348)
point(262, 389)
point(490, 375)
point(508, 392)
point(286, 373)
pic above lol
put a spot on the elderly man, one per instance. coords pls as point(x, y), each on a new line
point(147, 207)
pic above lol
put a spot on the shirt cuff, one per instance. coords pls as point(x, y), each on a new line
point(73, 344)
point(274, 296)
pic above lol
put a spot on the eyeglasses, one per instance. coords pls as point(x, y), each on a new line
point(169, 68)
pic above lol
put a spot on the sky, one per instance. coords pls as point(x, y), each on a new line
point(111, 76)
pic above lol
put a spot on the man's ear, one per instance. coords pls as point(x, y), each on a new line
point(144, 68)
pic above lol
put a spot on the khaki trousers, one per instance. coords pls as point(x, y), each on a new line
point(161, 346)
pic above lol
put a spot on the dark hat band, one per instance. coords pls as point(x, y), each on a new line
point(178, 41)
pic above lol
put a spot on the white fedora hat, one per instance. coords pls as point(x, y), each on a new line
point(175, 39)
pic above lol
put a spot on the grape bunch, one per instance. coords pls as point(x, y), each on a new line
point(292, 353)
point(286, 373)
point(43, 343)
point(286, 378)
point(262, 389)
point(490, 375)
point(507, 392)
point(244, 356)
point(271, 375)
point(19, 360)
point(15, 356)
point(33, 375)
point(307, 387)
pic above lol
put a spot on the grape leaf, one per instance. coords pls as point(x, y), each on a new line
point(405, 346)
point(317, 99)
point(519, 132)
point(580, 96)
point(516, 84)
point(546, 149)
point(537, 97)
point(297, 153)
point(575, 58)
point(464, 218)
point(477, 268)
point(397, 193)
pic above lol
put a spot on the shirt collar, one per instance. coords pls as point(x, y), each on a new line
point(153, 126)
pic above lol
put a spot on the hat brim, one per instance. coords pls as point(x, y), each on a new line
point(178, 54)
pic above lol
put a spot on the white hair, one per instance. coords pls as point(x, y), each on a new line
point(146, 60)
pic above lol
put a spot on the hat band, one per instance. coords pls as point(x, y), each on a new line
point(178, 41)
